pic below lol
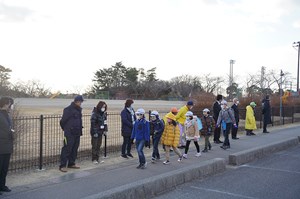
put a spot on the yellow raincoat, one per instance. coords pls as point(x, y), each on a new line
point(250, 123)
point(180, 117)
point(171, 134)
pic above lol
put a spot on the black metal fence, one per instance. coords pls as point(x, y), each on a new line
point(38, 139)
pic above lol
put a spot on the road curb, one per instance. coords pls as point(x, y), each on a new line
point(246, 156)
point(155, 185)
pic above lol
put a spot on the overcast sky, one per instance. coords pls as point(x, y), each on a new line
point(63, 43)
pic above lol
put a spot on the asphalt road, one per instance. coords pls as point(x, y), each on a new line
point(274, 177)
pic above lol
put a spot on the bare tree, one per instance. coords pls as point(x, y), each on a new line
point(211, 84)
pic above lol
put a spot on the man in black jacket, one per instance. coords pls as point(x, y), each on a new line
point(216, 111)
point(237, 118)
point(71, 123)
point(6, 141)
point(266, 111)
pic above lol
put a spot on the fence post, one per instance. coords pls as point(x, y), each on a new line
point(293, 111)
point(272, 116)
point(41, 142)
point(282, 115)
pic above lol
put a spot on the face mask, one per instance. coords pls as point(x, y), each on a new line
point(102, 109)
point(139, 117)
point(152, 118)
point(222, 106)
point(237, 102)
point(169, 120)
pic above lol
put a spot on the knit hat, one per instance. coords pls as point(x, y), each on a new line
point(190, 103)
point(253, 104)
point(224, 102)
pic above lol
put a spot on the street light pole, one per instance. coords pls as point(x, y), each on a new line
point(297, 44)
point(280, 93)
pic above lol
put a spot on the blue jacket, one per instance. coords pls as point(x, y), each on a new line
point(127, 123)
point(141, 130)
point(71, 121)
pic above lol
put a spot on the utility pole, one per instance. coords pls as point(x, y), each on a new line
point(297, 44)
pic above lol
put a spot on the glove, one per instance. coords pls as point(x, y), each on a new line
point(95, 135)
point(235, 126)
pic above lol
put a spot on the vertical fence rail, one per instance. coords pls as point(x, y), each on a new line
point(41, 142)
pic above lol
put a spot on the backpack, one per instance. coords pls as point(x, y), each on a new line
point(199, 123)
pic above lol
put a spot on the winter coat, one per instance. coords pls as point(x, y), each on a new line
point(127, 122)
point(227, 116)
point(141, 130)
point(180, 116)
point(236, 113)
point(98, 122)
point(216, 110)
point(170, 135)
point(157, 127)
point(266, 111)
point(208, 125)
point(71, 121)
point(250, 123)
point(191, 129)
point(6, 137)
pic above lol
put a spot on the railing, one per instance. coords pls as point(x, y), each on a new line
point(38, 140)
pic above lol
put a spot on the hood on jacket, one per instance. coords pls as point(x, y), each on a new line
point(171, 116)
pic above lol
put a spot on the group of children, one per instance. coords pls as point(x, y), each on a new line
point(167, 131)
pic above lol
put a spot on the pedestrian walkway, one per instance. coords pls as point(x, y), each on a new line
point(119, 178)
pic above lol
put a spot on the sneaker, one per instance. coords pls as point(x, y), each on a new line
point(63, 169)
point(153, 159)
point(74, 167)
point(180, 159)
point(198, 154)
point(224, 147)
point(130, 155)
point(5, 189)
point(184, 156)
point(166, 162)
point(144, 166)
point(95, 162)
point(252, 133)
point(204, 150)
point(124, 156)
point(140, 166)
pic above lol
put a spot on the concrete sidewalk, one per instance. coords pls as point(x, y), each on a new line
point(118, 178)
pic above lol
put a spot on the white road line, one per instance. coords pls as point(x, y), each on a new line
point(223, 192)
point(271, 169)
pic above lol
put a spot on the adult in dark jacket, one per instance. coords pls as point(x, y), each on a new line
point(6, 141)
point(216, 111)
point(98, 129)
point(127, 118)
point(237, 118)
point(266, 111)
point(71, 123)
